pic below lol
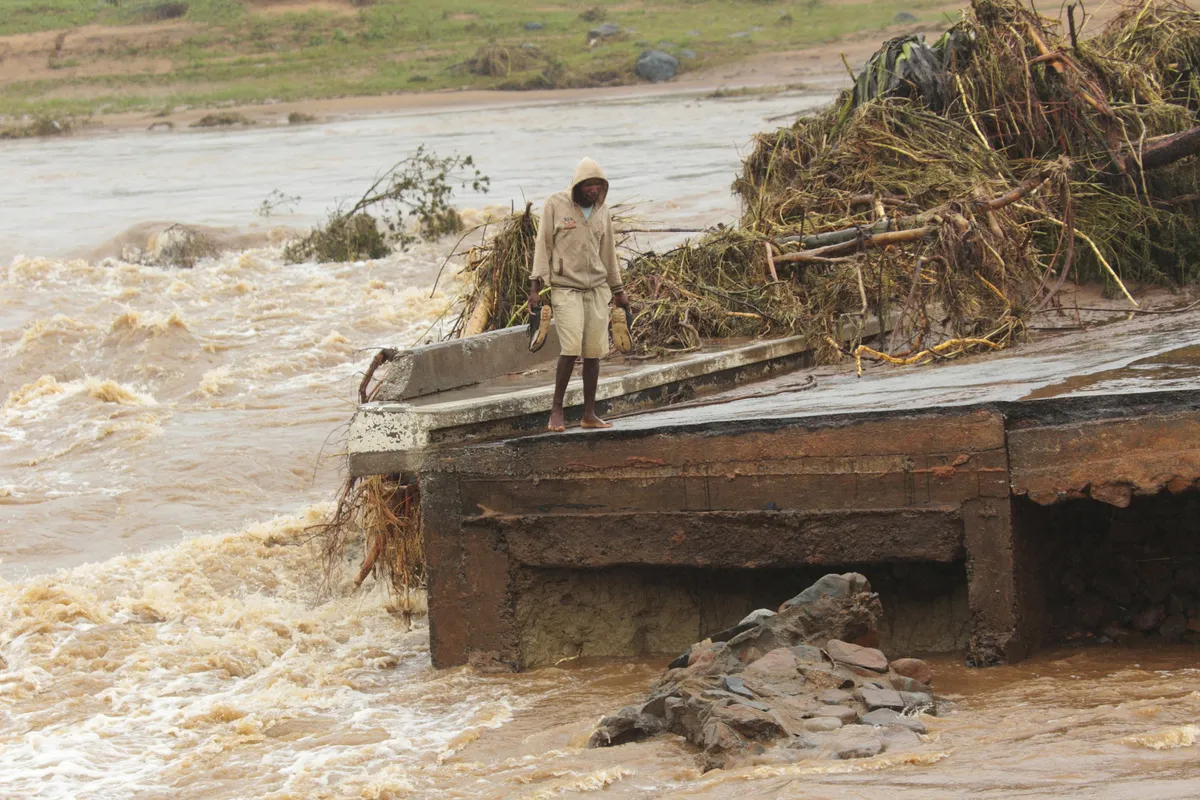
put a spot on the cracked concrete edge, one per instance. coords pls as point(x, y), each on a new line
point(442, 366)
point(398, 433)
point(403, 430)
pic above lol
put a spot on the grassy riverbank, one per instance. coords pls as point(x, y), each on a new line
point(91, 56)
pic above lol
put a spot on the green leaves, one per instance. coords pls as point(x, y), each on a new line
point(407, 203)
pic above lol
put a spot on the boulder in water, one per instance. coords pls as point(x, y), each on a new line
point(766, 680)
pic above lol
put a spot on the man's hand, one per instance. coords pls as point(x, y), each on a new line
point(535, 289)
point(621, 300)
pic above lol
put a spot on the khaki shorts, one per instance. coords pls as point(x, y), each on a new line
point(581, 318)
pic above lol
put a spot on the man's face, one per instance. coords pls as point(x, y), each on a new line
point(590, 191)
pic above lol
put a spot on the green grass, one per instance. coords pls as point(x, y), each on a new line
point(231, 53)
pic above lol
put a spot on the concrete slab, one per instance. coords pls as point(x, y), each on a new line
point(393, 436)
point(444, 366)
point(1146, 354)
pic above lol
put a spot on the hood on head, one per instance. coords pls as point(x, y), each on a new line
point(587, 170)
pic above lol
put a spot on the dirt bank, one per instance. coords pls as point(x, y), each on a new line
point(84, 66)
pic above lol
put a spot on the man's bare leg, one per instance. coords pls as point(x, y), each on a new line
point(562, 376)
point(591, 377)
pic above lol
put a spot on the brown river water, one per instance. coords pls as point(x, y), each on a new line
point(166, 437)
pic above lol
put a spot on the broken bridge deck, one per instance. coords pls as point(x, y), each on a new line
point(638, 540)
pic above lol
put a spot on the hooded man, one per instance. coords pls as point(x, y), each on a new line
point(576, 255)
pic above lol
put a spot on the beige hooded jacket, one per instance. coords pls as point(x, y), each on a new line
point(573, 252)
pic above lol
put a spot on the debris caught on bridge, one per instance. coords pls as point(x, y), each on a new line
point(960, 196)
point(954, 190)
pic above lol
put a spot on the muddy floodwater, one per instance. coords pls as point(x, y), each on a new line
point(168, 436)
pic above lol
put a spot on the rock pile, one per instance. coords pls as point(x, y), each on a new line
point(805, 682)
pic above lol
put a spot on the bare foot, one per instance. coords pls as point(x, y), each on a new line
point(592, 421)
point(556, 421)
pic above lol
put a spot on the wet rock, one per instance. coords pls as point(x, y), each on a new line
point(757, 616)
point(804, 741)
point(881, 698)
point(853, 618)
point(606, 31)
point(857, 741)
point(780, 664)
point(768, 680)
point(627, 725)
point(834, 697)
point(752, 723)
point(533, 26)
point(718, 737)
point(1147, 619)
point(793, 710)
point(897, 738)
point(712, 659)
point(822, 724)
point(490, 663)
point(656, 66)
point(737, 686)
point(843, 714)
point(739, 700)
point(886, 717)
point(806, 653)
point(1173, 626)
point(903, 683)
point(904, 18)
point(732, 633)
point(857, 656)
point(921, 701)
point(835, 586)
point(913, 668)
point(822, 677)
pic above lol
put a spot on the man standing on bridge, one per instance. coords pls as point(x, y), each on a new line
point(576, 255)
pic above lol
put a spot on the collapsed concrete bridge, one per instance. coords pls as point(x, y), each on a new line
point(965, 492)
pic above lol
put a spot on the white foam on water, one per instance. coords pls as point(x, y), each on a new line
point(219, 659)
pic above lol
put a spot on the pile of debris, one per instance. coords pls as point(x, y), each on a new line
point(957, 187)
point(780, 687)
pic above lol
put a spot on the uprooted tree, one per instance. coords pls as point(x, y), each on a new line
point(408, 202)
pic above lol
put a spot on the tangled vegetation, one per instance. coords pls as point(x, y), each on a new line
point(406, 203)
point(953, 191)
